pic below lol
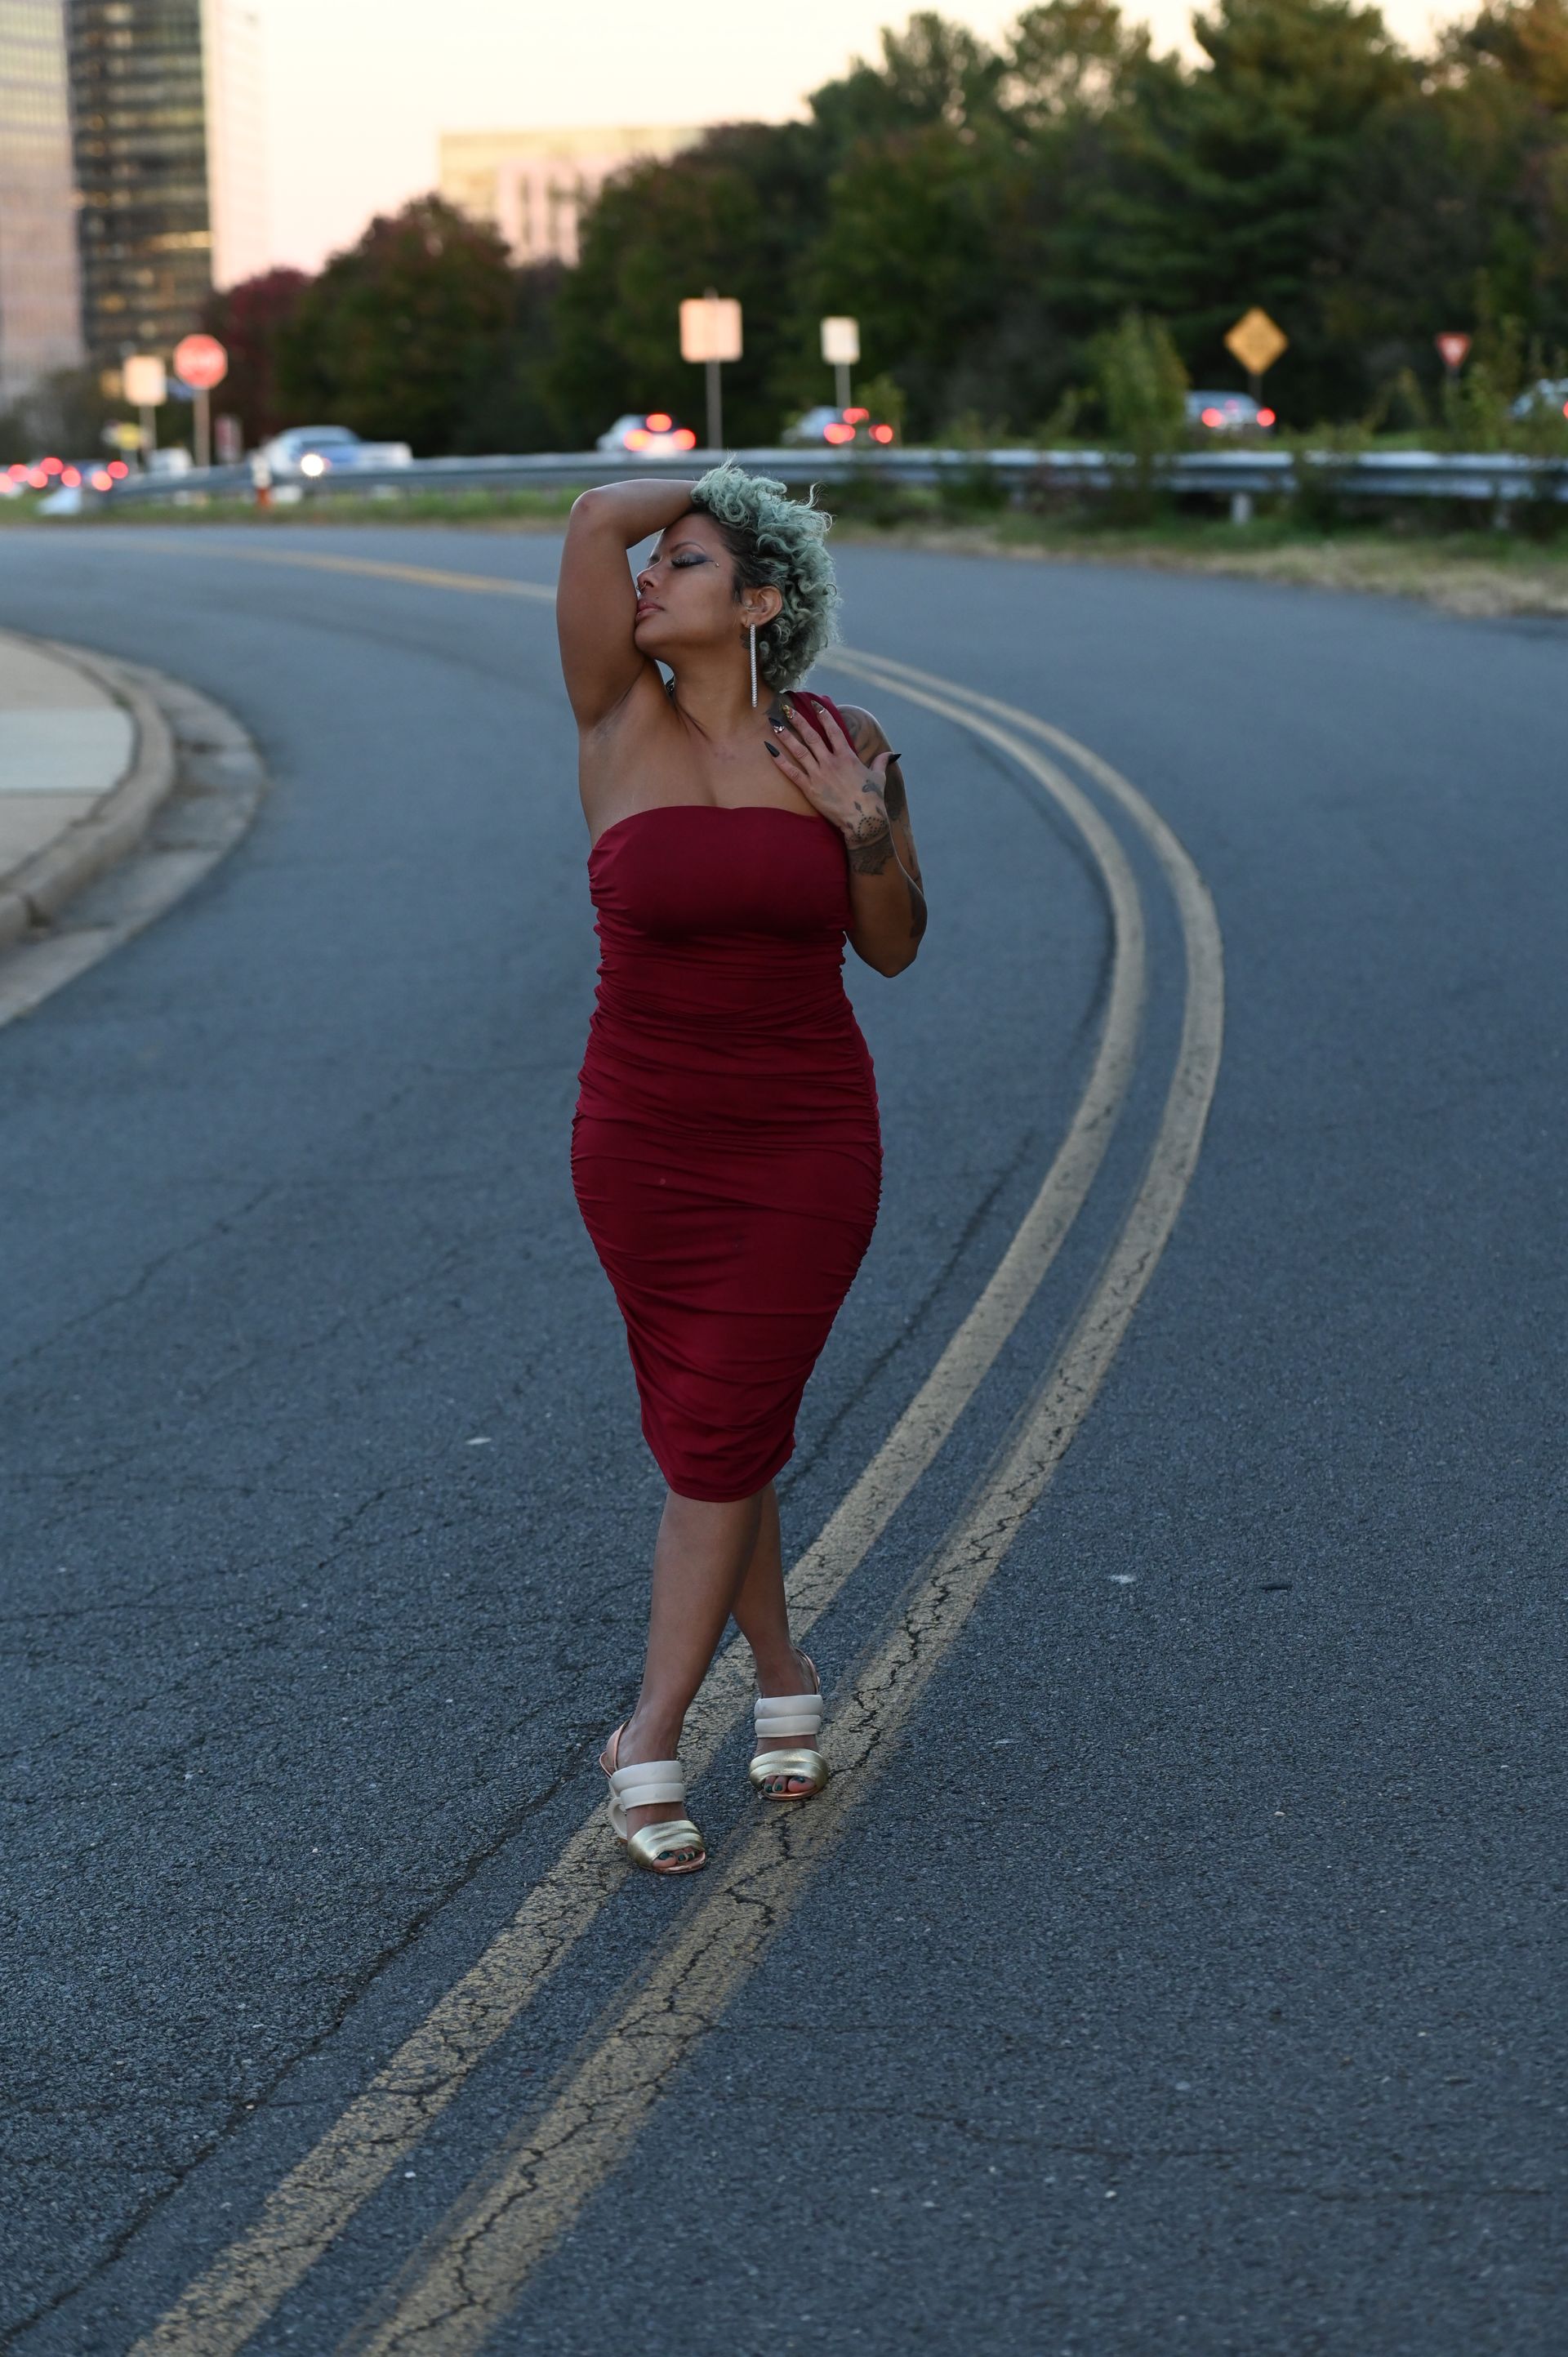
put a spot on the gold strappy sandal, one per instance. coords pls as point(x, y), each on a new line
point(786, 1718)
point(672, 1846)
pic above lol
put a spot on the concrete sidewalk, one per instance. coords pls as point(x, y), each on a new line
point(64, 744)
point(79, 778)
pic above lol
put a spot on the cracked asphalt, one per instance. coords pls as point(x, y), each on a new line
point(1192, 1979)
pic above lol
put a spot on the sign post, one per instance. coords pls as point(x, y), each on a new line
point(840, 349)
point(1454, 350)
point(1257, 343)
point(147, 389)
point(710, 332)
point(201, 361)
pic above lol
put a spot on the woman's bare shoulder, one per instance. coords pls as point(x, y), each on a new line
point(863, 729)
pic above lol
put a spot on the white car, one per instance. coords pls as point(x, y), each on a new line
point(311, 451)
point(1547, 392)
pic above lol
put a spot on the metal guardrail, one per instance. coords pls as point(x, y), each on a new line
point(1491, 478)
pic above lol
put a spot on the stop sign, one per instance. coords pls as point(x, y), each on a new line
point(201, 361)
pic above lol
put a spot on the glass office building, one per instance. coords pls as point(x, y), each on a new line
point(40, 314)
point(140, 120)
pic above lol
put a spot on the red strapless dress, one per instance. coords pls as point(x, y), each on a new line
point(725, 1150)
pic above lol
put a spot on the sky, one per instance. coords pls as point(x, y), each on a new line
point(359, 91)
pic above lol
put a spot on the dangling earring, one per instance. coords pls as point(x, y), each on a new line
point(754, 666)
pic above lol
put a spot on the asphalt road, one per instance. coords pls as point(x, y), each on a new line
point(1190, 1978)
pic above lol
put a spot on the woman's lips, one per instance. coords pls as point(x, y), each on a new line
point(648, 605)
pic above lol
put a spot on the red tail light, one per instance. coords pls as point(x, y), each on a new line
point(118, 468)
point(684, 438)
point(1265, 417)
point(1214, 417)
point(659, 421)
point(882, 434)
point(637, 439)
point(836, 431)
point(71, 478)
point(855, 417)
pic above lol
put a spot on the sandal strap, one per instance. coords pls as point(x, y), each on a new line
point(647, 1783)
point(787, 1714)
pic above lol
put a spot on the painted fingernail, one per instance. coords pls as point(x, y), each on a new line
point(773, 750)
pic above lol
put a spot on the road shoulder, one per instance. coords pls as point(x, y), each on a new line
point(119, 789)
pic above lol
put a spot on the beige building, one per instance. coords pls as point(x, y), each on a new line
point(535, 186)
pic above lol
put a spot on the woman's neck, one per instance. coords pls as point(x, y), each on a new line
point(716, 697)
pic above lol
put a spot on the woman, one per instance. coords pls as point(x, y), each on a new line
point(726, 1151)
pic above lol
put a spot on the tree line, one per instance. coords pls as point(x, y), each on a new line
point(993, 214)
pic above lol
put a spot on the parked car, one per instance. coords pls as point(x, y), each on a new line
point(314, 450)
point(1546, 393)
point(652, 432)
point(1228, 413)
point(838, 427)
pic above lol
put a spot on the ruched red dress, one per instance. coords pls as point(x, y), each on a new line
point(725, 1150)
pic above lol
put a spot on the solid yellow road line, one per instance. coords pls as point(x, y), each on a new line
point(306, 2212)
point(470, 2272)
point(379, 568)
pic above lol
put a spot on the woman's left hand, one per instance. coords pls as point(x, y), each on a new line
point(836, 782)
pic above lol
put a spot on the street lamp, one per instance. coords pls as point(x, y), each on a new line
point(710, 333)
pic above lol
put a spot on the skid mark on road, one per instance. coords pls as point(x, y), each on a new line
point(310, 2207)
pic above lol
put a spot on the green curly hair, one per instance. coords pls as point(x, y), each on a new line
point(776, 542)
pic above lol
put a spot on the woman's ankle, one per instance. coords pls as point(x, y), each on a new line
point(780, 1669)
point(652, 1733)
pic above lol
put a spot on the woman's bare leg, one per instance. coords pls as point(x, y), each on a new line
point(763, 1618)
point(700, 1560)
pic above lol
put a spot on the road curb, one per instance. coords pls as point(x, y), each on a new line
point(194, 783)
point(33, 893)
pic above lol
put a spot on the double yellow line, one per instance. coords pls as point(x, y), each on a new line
point(469, 2271)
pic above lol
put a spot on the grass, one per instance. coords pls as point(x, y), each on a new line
point(1412, 553)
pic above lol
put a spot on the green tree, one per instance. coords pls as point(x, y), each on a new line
point(1143, 389)
point(403, 336)
point(737, 213)
point(1217, 178)
point(921, 234)
point(934, 72)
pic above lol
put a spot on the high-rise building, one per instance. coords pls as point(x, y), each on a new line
point(535, 186)
point(166, 106)
point(40, 307)
point(236, 158)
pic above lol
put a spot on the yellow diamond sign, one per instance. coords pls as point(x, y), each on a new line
point(1256, 341)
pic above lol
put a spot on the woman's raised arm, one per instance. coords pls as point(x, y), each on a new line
point(596, 602)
